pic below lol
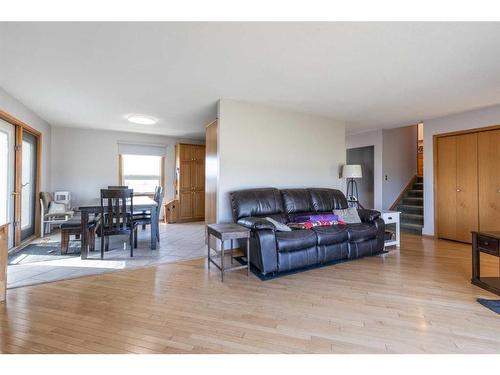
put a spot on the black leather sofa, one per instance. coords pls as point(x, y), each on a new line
point(274, 252)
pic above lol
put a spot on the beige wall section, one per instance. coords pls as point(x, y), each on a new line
point(399, 163)
point(15, 108)
point(461, 121)
point(86, 160)
point(395, 156)
point(262, 146)
point(371, 138)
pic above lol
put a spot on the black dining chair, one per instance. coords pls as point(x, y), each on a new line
point(144, 218)
point(117, 207)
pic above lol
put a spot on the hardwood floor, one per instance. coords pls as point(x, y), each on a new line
point(416, 300)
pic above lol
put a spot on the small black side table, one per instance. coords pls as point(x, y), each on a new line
point(227, 232)
point(489, 243)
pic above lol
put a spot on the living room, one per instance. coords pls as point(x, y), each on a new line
point(249, 188)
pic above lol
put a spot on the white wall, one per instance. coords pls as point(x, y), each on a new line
point(261, 146)
point(15, 108)
point(86, 160)
point(461, 121)
point(399, 162)
point(371, 138)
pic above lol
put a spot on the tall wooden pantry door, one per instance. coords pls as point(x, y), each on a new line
point(489, 180)
point(467, 191)
point(457, 191)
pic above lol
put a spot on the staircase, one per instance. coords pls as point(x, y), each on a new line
point(411, 206)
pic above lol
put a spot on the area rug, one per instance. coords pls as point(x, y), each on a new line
point(44, 251)
point(243, 260)
point(492, 304)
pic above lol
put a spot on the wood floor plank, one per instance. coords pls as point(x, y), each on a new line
point(414, 300)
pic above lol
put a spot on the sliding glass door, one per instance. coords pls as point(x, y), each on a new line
point(7, 168)
point(28, 185)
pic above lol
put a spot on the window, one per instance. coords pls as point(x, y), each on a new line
point(141, 172)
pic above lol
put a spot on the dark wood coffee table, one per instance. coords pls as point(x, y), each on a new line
point(488, 243)
point(227, 232)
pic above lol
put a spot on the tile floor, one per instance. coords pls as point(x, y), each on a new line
point(177, 242)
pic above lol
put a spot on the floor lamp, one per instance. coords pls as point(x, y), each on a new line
point(350, 172)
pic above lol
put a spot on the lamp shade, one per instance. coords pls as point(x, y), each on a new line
point(351, 171)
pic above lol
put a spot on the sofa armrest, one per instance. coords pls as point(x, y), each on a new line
point(368, 215)
point(255, 223)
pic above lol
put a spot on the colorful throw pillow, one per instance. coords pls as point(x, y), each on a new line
point(349, 215)
point(325, 217)
point(280, 227)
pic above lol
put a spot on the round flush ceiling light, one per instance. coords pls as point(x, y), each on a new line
point(142, 119)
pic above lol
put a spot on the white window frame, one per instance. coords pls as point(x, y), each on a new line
point(122, 177)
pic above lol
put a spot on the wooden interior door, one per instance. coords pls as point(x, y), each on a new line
point(467, 190)
point(446, 187)
point(489, 180)
point(186, 176)
point(199, 204)
point(186, 152)
point(186, 205)
point(198, 175)
point(199, 152)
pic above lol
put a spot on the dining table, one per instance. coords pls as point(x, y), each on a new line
point(140, 203)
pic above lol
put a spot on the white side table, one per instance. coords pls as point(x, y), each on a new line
point(391, 217)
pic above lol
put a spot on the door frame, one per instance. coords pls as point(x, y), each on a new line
point(20, 128)
point(435, 138)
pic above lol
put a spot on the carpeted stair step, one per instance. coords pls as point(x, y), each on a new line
point(413, 201)
point(411, 228)
point(410, 209)
point(412, 218)
point(415, 193)
point(418, 186)
point(420, 179)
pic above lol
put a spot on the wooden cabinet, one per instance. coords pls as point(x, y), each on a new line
point(190, 181)
point(489, 180)
point(457, 193)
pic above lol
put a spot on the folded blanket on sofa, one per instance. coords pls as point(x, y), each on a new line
point(314, 223)
point(325, 217)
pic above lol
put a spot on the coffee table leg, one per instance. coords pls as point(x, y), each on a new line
point(248, 256)
point(222, 259)
point(232, 246)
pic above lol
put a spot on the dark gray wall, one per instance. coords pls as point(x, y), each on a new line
point(365, 157)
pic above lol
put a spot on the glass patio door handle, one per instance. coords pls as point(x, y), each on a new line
point(15, 193)
point(26, 184)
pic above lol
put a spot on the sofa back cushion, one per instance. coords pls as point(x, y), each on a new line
point(258, 203)
point(327, 200)
point(296, 200)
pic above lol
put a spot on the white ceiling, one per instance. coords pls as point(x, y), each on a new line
point(370, 75)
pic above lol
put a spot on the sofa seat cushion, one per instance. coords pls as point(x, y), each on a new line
point(329, 235)
point(295, 240)
point(361, 232)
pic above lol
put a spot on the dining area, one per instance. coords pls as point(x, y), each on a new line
point(116, 230)
point(116, 212)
